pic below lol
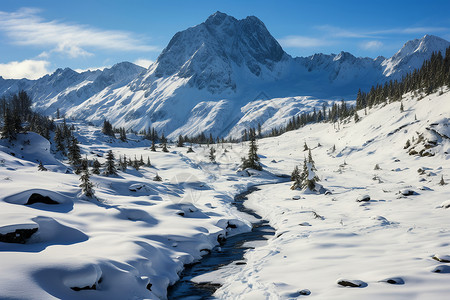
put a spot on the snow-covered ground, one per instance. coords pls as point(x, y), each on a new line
point(133, 240)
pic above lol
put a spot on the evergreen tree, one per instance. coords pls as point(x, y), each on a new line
point(74, 154)
point(252, 160)
point(41, 167)
point(305, 147)
point(164, 143)
point(110, 167)
point(87, 188)
point(190, 150)
point(212, 154)
point(123, 134)
point(96, 167)
point(149, 164)
point(8, 131)
point(59, 140)
point(107, 128)
point(180, 141)
point(123, 163)
point(141, 161)
point(442, 182)
point(311, 177)
point(157, 178)
point(295, 173)
point(136, 164)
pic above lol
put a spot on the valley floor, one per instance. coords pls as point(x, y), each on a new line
point(133, 241)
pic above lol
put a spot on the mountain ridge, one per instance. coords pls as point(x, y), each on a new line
point(210, 72)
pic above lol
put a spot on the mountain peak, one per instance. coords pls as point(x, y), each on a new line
point(208, 54)
point(218, 18)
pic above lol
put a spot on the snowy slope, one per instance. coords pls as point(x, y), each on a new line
point(223, 63)
point(133, 242)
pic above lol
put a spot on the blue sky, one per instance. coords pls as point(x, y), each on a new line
point(39, 36)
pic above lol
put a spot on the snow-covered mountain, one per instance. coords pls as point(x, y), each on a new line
point(207, 77)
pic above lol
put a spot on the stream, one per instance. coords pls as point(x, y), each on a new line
point(232, 250)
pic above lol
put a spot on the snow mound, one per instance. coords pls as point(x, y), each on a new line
point(82, 277)
point(24, 197)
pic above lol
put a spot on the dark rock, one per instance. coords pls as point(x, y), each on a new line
point(221, 239)
point(230, 225)
point(149, 286)
point(441, 269)
point(38, 198)
point(394, 280)
point(351, 283)
point(19, 236)
point(77, 289)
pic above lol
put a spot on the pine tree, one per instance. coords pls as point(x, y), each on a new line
point(305, 147)
point(212, 154)
point(8, 131)
point(141, 161)
point(180, 141)
point(153, 148)
point(252, 160)
point(86, 184)
point(107, 128)
point(136, 164)
point(123, 164)
point(401, 107)
point(110, 164)
point(41, 167)
point(149, 164)
point(190, 150)
point(164, 143)
point(74, 154)
point(59, 140)
point(123, 134)
point(442, 182)
point(311, 177)
point(295, 173)
point(157, 178)
point(96, 167)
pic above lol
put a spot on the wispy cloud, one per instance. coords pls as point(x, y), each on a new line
point(338, 32)
point(297, 41)
point(372, 45)
point(143, 62)
point(31, 69)
point(25, 27)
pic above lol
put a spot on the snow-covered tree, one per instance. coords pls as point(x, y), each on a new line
point(87, 188)
point(41, 167)
point(164, 143)
point(311, 177)
point(74, 154)
point(157, 178)
point(212, 154)
point(96, 167)
point(110, 167)
point(252, 161)
point(180, 141)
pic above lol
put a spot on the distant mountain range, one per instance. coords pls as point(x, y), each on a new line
point(218, 77)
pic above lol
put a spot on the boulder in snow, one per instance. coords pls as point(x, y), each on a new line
point(351, 283)
point(442, 258)
point(363, 198)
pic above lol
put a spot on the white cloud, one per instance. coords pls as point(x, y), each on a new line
point(372, 45)
point(92, 69)
point(143, 62)
point(297, 41)
point(25, 27)
point(31, 69)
